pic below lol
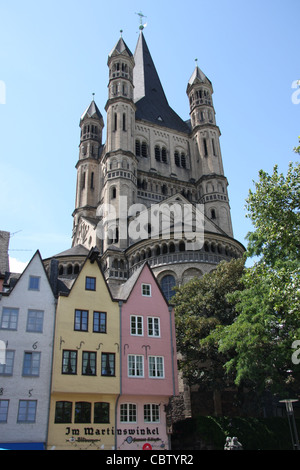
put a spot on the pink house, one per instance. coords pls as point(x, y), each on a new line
point(148, 364)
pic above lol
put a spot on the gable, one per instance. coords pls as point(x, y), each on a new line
point(35, 269)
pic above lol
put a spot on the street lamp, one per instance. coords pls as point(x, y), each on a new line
point(292, 422)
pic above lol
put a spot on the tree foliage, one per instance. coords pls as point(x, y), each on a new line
point(200, 306)
point(240, 323)
point(269, 305)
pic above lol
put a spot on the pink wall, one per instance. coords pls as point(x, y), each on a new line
point(154, 306)
point(133, 436)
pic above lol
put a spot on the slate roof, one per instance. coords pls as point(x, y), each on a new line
point(149, 97)
point(92, 111)
point(120, 47)
point(198, 75)
point(78, 250)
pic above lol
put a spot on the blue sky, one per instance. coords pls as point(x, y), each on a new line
point(53, 56)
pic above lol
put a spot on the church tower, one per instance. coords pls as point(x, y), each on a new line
point(211, 182)
point(88, 187)
point(151, 157)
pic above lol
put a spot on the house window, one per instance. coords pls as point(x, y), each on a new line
point(156, 367)
point(82, 412)
point(63, 412)
point(136, 325)
point(81, 320)
point(27, 411)
point(35, 320)
point(135, 366)
point(101, 412)
point(146, 290)
point(7, 368)
point(153, 326)
point(88, 363)
point(3, 410)
point(9, 320)
point(69, 362)
point(34, 283)
point(151, 413)
point(90, 283)
point(31, 364)
point(99, 322)
point(108, 364)
point(128, 413)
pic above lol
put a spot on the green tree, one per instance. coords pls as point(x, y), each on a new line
point(269, 304)
point(200, 306)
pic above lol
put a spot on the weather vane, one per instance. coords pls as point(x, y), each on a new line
point(142, 26)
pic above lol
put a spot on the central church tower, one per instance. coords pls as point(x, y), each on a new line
point(151, 157)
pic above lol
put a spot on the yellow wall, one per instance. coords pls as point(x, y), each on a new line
point(82, 436)
point(80, 387)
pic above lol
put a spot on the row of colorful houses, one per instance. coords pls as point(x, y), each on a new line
point(83, 369)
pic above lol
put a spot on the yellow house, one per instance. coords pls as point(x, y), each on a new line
point(86, 365)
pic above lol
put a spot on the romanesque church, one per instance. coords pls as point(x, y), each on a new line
point(147, 155)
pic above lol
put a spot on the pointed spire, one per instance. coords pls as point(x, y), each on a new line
point(92, 111)
point(149, 96)
point(120, 48)
point(198, 76)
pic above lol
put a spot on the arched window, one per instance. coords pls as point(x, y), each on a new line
point(167, 286)
point(113, 192)
point(176, 158)
point(213, 214)
point(144, 149)
point(164, 154)
point(182, 246)
point(137, 148)
point(92, 180)
point(124, 122)
point(205, 147)
point(157, 153)
point(183, 160)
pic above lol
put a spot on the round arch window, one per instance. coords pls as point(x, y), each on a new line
point(167, 285)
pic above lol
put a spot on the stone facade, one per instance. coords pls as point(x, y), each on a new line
point(151, 157)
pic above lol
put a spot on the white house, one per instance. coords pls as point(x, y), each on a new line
point(27, 319)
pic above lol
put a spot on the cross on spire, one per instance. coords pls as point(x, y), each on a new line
point(140, 14)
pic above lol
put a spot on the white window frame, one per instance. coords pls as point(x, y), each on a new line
point(135, 358)
point(145, 288)
point(152, 411)
point(158, 363)
point(134, 325)
point(130, 409)
point(152, 320)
